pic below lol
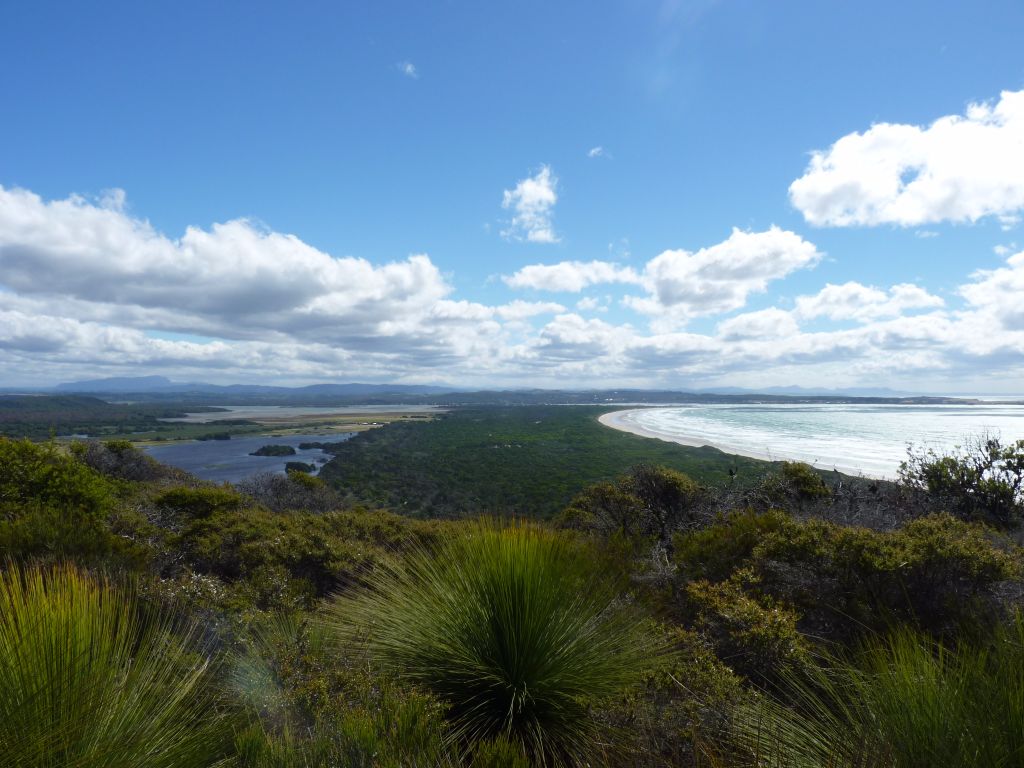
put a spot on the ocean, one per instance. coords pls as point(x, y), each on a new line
point(857, 439)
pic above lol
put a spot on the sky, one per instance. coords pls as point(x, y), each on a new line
point(681, 194)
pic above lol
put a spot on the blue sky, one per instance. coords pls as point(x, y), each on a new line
point(368, 185)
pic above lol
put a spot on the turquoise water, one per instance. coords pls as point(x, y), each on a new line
point(866, 439)
point(229, 460)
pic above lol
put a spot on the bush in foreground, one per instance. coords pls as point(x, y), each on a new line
point(512, 629)
point(86, 681)
point(903, 702)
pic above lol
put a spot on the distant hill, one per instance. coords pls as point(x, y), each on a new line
point(160, 384)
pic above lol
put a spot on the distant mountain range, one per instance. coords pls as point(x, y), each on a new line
point(133, 385)
point(163, 385)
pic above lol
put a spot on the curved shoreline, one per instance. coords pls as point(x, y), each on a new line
point(616, 420)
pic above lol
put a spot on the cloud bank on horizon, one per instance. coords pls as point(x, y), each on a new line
point(87, 287)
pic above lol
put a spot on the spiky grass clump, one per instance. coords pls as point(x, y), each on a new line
point(512, 628)
point(86, 681)
point(903, 702)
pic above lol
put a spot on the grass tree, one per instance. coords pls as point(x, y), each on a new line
point(512, 628)
point(88, 681)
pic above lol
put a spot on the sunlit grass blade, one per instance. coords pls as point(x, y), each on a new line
point(86, 680)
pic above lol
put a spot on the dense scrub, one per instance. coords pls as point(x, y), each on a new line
point(527, 460)
point(662, 618)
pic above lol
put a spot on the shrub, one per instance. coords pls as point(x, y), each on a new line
point(314, 708)
point(53, 507)
point(756, 636)
point(981, 481)
point(936, 572)
point(511, 628)
point(121, 460)
point(649, 501)
point(713, 553)
point(183, 503)
point(294, 491)
point(85, 680)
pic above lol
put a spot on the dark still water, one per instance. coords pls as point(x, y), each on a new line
point(229, 460)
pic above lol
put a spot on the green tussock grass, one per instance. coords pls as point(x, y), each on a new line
point(512, 629)
point(901, 702)
point(87, 681)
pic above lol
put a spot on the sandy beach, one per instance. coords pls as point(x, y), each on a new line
point(621, 420)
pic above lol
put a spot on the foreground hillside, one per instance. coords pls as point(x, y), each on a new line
point(658, 618)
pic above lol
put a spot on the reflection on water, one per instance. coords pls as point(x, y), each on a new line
point(871, 439)
point(229, 460)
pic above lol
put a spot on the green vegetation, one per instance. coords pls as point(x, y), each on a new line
point(526, 461)
point(274, 450)
point(87, 679)
point(513, 628)
point(299, 466)
point(767, 616)
point(40, 416)
point(900, 702)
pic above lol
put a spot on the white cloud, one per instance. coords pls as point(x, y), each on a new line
point(999, 293)
point(89, 289)
point(959, 168)
point(520, 310)
point(596, 152)
point(408, 69)
point(682, 284)
point(854, 301)
point(532, 203)
point(721, 277)
point(766, 323)
point(590, 304)
point(570, 276)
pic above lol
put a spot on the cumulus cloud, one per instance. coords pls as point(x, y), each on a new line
point(532, 202)
point(1000, 293)
point(961, 168)
point(86, 288)
point(570, 276)
point(854, 301)
point(408, 69)
point(596, 152)
point(768, 323)
point(721, 277)
point(683, 284)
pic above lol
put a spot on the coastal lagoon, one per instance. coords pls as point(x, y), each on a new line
point(229, 460)
point(857, 439)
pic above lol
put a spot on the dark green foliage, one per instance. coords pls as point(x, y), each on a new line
point(511, 628)
point(936, 572)
point(184, 503)
point(39, 416)
point(299, 466)
point(287, 560)
point(982, 481)
point(796, 486)
point(669, 498)
point(713, 553)
point(42, 475)
point(648, 502)
point(86, 681)
point(274, 450)
point(54, 507)
point(528, 461)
